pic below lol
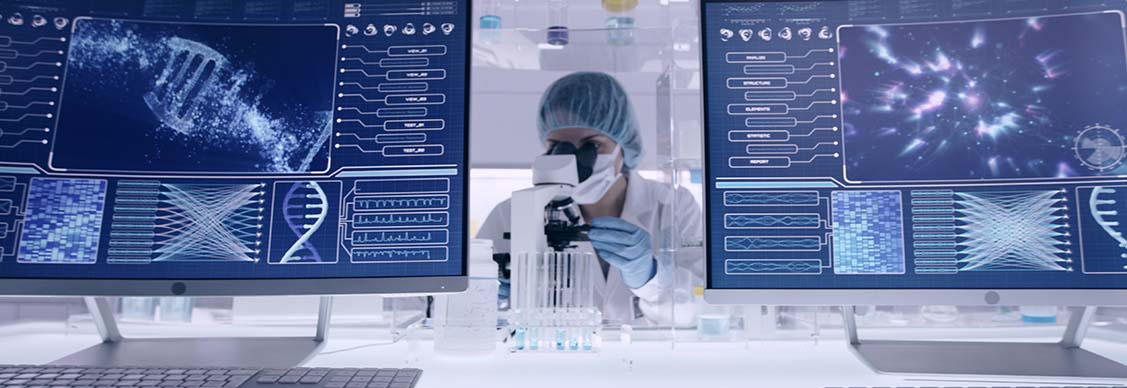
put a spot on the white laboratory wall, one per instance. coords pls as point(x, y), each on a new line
point(504, 106)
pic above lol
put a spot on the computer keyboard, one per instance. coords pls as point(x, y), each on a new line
point(30, 376)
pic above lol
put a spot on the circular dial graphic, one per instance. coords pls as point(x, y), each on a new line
point(1100, 147)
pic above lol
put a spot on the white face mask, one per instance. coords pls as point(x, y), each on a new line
point(603, 176)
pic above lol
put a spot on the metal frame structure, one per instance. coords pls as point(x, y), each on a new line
point(118, 350)
point(1065, 358)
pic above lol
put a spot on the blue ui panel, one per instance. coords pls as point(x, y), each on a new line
point(916, 144)
point(233, 139)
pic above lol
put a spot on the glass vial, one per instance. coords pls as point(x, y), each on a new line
point(557, 23)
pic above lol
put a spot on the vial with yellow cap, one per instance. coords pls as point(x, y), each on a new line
point(620, 21)
point(620, 6)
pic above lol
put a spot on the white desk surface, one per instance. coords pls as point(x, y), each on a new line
point(782, 364)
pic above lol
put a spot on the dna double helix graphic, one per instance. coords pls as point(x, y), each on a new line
point(305, 208)
point(1103, 206)
point(192, 70)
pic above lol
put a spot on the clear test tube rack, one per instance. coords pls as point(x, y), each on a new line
point(553, 303)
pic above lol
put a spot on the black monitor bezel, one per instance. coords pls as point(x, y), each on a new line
point(280, 286)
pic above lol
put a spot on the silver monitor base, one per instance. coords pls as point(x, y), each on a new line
point(1063, 359)
point(259, 352)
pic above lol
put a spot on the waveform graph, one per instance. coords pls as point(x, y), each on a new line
point(373, 255)
point(868, 233)
point(1012, 231)
point(773, 267)
point(402, 202)
point(7, 184)
point(401, 220)
point(175, 222)
point(305, 223)
point(400, 237)
point(399, 195)
point(63, 221)
point(770, 198)
point(772, 221)
point(772, 243)
point(398, 221)
point(1103, 219)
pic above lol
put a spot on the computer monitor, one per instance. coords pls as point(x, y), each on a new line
point(915, 152)
point(233, 147)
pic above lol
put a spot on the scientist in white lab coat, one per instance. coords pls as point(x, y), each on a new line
point(631, 217)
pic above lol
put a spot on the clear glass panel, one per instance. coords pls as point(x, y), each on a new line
point(516, 54)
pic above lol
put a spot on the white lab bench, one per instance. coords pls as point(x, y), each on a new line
point(652, 364)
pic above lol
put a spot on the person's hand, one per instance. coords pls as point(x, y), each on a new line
point(504, 291)
point(625, 246)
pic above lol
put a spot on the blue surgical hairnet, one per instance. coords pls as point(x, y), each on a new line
point(596, 101)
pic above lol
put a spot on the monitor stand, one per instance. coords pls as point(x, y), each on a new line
point(1060, 359)
point(260, 352)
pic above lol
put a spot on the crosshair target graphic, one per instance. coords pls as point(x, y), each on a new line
point(1100, 148)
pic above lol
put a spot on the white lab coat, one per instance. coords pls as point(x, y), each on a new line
point(668, 297)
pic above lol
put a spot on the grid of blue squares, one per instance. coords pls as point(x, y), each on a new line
point(868, 232)
point(64, 221)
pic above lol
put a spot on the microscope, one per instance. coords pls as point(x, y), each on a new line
point(552, 303)
point(544, 216)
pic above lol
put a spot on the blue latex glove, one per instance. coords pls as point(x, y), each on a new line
point(625, 246)
point(504, 291)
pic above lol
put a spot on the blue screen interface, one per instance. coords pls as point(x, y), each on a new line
point(915, 144)
point(233, 139)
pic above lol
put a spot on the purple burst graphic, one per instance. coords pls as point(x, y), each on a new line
point(981, 99)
